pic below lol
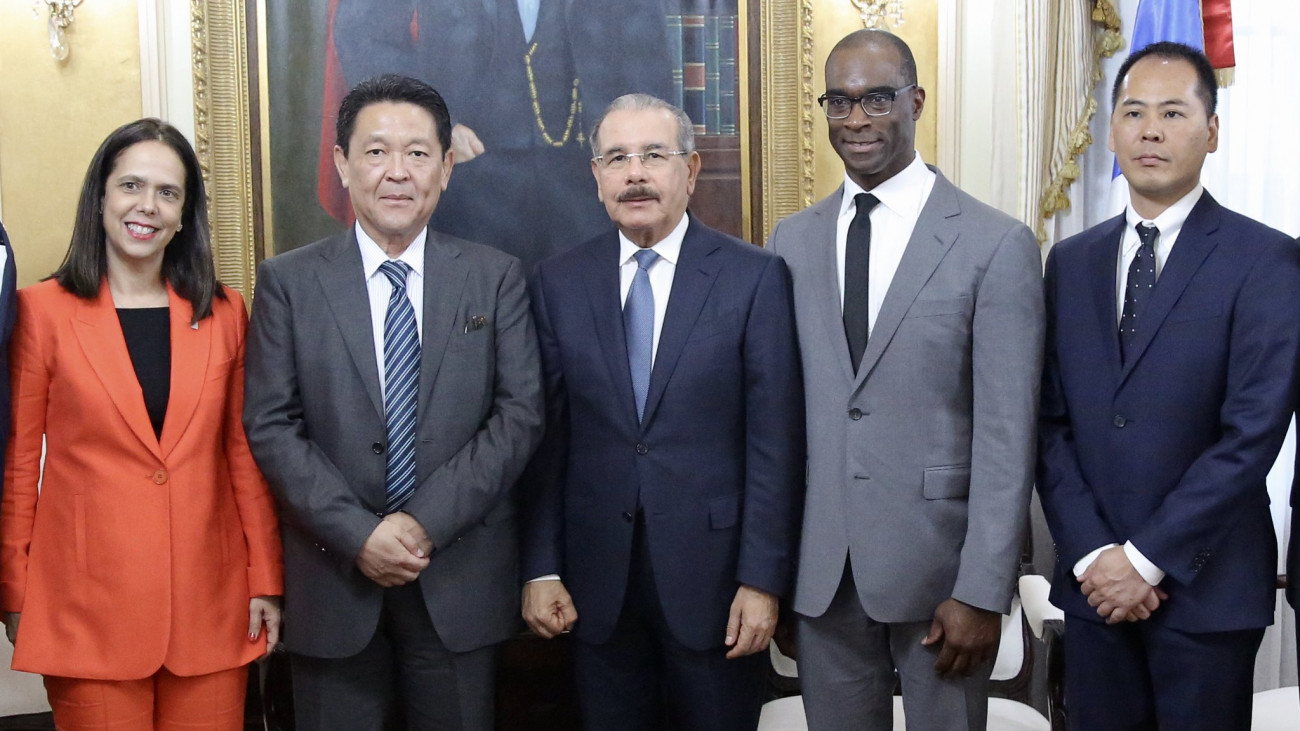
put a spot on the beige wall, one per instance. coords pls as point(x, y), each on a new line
point(834, 19)
point(54, 115)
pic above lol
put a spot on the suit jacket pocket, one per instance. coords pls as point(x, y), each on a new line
point(461, 340)
point(932, 308)
point(946, 482)
point(724, 512)
point(707, 328)
point(1196, 312)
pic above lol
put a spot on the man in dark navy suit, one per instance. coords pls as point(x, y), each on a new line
point(1173, 332)
point(661, 512)
point(8, 307)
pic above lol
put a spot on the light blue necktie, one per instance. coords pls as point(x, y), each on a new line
point(639, 326)
point(528, 17)
point(401, 386)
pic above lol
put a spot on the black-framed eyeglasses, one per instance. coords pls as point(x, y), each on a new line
point(875, 104)
point(650, 159)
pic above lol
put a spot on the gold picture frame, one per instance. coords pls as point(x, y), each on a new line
point(777, 143)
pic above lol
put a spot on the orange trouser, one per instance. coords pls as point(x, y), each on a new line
point(162, 701)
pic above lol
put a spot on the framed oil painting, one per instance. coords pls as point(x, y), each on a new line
point(523, 88)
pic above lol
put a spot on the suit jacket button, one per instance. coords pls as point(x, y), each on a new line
point(1120, 421)
point(627, 517)
point(642, 448)
point(855, 413)
point(377, 448)
point(160, 477)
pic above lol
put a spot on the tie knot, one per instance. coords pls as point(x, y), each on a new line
point(645, 257)
point(865, 202)
point(1147, 233)
point(396, 272)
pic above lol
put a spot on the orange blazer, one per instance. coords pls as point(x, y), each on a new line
point(139, 552)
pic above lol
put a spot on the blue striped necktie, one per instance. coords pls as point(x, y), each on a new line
point(639, 326)
point(401, 386)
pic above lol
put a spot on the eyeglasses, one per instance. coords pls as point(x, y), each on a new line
point(875, 104)
point(650, 159)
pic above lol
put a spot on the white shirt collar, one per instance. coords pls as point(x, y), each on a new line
point(372, 255)
point(1171, 220)
point(669, 248)
point(904, 194)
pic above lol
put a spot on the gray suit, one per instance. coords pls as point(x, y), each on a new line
point(315, 420)
point(920, 466)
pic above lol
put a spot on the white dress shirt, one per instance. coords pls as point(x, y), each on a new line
point(380, 289)
point(1170, 223)
point(892, 221)
point(660, 272)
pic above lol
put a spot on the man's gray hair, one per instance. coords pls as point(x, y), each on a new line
point(641, 103)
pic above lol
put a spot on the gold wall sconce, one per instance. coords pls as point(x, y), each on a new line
point(877, 13)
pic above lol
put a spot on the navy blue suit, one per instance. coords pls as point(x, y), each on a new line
point(8, 308)
point(715, 468)
point(1170, 448)
point(1293, 548)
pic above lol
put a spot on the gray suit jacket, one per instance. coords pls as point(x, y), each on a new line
point(314, 414)
point(920, 467)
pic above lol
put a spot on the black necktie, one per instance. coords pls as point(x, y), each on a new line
point(857, 269)
point(1141, 283)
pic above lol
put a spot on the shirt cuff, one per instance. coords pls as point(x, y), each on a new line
point(1087, 560)
point(1149, 571)
point(548, 577)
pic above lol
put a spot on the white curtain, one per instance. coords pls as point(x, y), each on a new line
point(1256, 172)
point(1060, 46)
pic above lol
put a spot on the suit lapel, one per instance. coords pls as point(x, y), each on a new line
point(191, 348)
point(825, 268)
point(936, 231)
point(343, 288)
point(1195, 242)
point(445, 274)
point(1103, 258)
point(100, 335)
point(697, 270)
point(601, 278)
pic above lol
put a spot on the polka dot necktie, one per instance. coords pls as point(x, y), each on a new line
point(1141, 283)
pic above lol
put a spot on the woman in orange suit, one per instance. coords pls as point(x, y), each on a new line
point(144, 574)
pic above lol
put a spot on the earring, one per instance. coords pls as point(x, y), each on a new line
point(180, 226)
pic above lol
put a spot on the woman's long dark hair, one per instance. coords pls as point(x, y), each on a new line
point(187, 261)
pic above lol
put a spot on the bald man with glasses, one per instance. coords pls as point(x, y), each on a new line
point(920, 319)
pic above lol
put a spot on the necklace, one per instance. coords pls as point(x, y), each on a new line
point(575, 106)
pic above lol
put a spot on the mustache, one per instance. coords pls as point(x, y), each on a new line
point(638, 191)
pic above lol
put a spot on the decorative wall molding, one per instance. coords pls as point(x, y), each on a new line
point(222, 134)
point(786, 103)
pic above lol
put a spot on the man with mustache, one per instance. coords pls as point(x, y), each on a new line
point(920, 319)
point(1173, 332)
point(661, 511)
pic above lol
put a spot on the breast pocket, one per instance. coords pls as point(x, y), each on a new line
point(711, 327)
point(1193, 313)
point(937, 307)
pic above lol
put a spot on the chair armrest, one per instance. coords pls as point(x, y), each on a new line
point(1038, 610)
